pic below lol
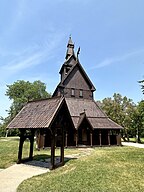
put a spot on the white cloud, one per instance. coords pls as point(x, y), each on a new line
point(110, 61)
point(30, 57)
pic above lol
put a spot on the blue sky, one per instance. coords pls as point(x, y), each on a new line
point(34, 35)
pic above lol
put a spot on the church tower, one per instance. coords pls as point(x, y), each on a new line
point(74, 80)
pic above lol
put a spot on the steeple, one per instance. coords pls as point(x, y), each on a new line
point(74, 80)
point(70, 48)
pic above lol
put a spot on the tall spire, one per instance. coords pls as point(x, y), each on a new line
point(70, 48)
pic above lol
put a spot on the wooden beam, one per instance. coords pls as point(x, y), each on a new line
point(76, 139)
point(91, 141)
point(21, 141)
point(62, 147)
point(66, 137)
point(109, 143)
point(31, 145)
point(52, 150)
point(118, 138)
point(100, 137)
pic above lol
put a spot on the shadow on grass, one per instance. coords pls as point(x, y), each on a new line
point(44, 161)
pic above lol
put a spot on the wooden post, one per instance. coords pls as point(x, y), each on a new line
point(91, 139)
point(21, 141)
point(44, 140)
point(100, 138)
point(76, 139)
point(66, 140)
point(109, 138)
point(55, 138)
point(52, 150)
point(62, 147)
point(118, 138)
point(31, 145)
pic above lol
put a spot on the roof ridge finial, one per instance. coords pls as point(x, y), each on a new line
point(70, 42)
point(78, 52)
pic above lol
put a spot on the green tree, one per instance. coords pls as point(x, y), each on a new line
point(142, 85)
point(2, 130)
point(121, 110)
point(140, 120)
point(21, 92)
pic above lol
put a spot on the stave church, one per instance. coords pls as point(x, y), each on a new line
point(71, 117)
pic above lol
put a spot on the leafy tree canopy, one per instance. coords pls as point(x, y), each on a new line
point(21, 92)
point(142, 85)
point(125, 112)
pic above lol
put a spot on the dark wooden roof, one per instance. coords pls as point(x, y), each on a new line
point(40, 114)
point(78, 106)
point(37, 114)
point(83, 119)
point(103, 123)
point(94, 114)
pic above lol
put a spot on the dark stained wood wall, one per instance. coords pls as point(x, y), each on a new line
point(77, 82)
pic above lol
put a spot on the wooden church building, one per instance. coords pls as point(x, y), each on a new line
point(71, 117)
point(91, 125)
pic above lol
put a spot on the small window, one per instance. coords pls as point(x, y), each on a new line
point(81, 93)
point(72, 92)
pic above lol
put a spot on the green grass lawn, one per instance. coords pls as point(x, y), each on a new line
point(134, 140)
point(9, 151)
point(106, 169)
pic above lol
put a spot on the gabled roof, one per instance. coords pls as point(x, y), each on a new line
point(78, 106)
point(41, 114)
point(83, 118)
point(66, 63)
point(96, 117)
point(37, 114)
point(82, 71)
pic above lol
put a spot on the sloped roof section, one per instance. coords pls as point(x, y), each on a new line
point(71, 61)
point(94, 114)
point(83, 72)
point(37, 114)
point(104, 123)
point(77, 106)
point(83, 119)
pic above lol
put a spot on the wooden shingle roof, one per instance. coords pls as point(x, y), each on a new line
point(103, 123)
point(40, 114)
point(78, 106)
point(94, 114)
point(37, 114)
